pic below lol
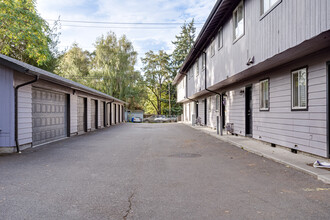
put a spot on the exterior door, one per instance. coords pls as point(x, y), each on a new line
point(328, 87)
point(115, 113)
point(110, 114)
point(49, 116)
point(248, 111)
point(205, 112)
point(223, 110)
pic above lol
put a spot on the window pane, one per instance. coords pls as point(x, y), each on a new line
point(238, 19)
point(302, 88)
point(264, 94)
point(220, 38)
point(295, 102)
point(266, 5)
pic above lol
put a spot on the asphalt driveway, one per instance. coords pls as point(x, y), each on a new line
point(154, 171)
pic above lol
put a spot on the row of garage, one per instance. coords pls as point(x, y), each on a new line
point(42, 107)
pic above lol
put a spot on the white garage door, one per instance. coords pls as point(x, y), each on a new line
point(49, 121)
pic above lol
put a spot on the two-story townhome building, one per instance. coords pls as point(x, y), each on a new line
point(260, 68)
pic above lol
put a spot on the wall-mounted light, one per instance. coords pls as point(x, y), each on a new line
point(73, 92)
point(250, 61)
point(241, 92)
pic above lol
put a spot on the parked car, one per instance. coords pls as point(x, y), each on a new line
point(150, 119)
point(160, 118)
point(137, 120)
point(173, 118)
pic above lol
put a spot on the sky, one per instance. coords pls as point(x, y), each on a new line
point(144, 37)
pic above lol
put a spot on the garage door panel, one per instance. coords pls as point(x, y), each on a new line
point(48, 116)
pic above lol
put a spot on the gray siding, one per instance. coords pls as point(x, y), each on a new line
point(7, 116)
point(201, 110)
point(24, 109)
point(301, 130)
point(235, 107)
point(74, 113)
point(287, 25)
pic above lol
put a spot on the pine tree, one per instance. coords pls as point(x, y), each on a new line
point(183, 44)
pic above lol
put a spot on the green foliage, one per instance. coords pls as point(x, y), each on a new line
point(156, 74)
point(25, 36)
point(109, 69)
point(183, 44)
point(160, 70)
point(113, 69)
point(75, 65)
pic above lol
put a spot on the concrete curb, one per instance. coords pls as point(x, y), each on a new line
point(322, 175)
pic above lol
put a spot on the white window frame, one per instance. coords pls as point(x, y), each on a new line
point(272, 4)
point(299, 107)
point(262, 98)
point(220, 38)
point(241, 4)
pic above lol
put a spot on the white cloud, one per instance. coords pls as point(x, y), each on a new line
point(134, 11)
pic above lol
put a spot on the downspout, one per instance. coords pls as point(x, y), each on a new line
point(205, 71)
point(16, 109)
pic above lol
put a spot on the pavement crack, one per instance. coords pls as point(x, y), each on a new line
point(129, 206)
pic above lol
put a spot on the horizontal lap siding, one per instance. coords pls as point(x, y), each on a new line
point(201, 111)
point(24, 109)
point(212, 113)
point(302, 130)
point(74, 113)
point(235, 109)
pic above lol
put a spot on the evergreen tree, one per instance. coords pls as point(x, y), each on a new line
point(183, 44)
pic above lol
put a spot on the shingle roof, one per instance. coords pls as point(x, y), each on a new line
point(32, 70)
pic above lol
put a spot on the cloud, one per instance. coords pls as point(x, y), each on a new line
point(135, 11)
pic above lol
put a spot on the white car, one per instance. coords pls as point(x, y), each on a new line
point(137, 120)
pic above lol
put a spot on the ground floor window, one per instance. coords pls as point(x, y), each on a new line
point(264, 95)
point(299, 89)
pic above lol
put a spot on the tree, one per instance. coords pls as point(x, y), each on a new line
point(156, 74)
point(113, 69)
point(183, 44)
point(25, 36)
point(75, 65)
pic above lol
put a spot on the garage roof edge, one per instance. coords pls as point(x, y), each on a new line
point(43, 74)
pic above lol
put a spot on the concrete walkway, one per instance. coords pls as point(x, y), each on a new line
point(281, 155)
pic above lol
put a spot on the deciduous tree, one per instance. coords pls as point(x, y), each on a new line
point(25, 36)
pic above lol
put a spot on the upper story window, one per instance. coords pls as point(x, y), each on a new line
point(203, 61)
point(197, 68)
point(266, 5)
point(264, 95)
point(212, 48)
point(299, 89)
point(220, 39)
point(238, 21)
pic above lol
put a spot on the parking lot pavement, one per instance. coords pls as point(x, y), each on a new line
point(154, 171)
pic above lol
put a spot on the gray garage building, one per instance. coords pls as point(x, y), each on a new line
point(38, 107)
